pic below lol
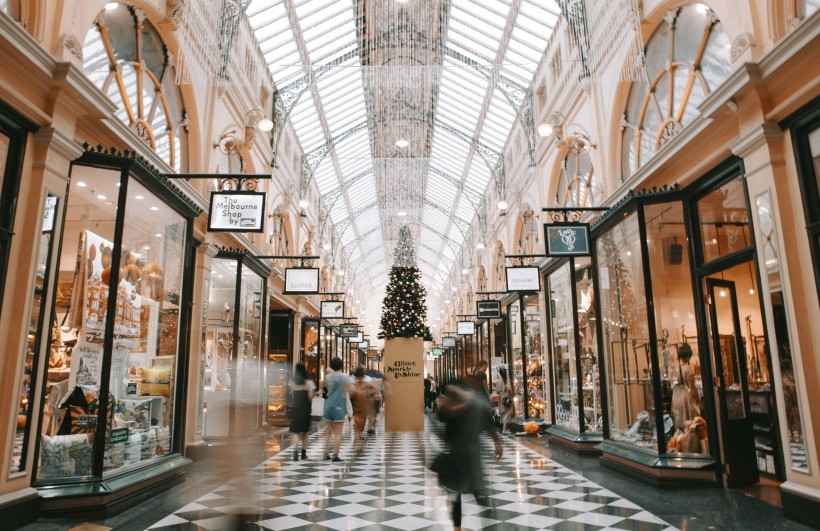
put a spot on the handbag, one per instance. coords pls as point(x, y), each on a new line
point(506, 400)
point(450, 472)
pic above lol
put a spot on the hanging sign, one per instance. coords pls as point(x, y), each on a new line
point(373, 354)
point(523, 279)
point(363, 345)
point(448, 341)
point(465, 328)
point(236, 211)
point(358, 338)
point(348, 330)
point(437, 351)
point(332, 309)
point(49, 213)
point(567, 239)
point(301, 280)
point(488, 309)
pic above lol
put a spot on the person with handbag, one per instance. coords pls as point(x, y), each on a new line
point(465, 408)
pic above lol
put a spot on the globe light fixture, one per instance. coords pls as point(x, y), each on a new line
point(303, 203)
point(502, 205)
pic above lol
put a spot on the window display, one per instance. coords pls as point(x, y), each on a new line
point(233, 371)
point(565, 379)
point(625, 335)
point(575, 365)
point(791, 400)
point(112, 371)
point(675, 328)
point(36, 335)
point(536, 384)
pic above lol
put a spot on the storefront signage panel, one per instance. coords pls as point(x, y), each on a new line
point(50, 212)
point(236, 211)
point(438, 351)
point(301, 280)
point(348, 330)
point(465, 328)
point(358, 338)
point(364, 345)
point(523, 279)
point(567, 239)
point(488, 309)
point(372, 353)
point(448, 341)
point(332, 309)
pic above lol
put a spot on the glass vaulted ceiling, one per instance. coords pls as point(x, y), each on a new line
point(359, 75)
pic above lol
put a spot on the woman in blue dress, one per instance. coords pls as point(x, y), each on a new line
point(337, 384)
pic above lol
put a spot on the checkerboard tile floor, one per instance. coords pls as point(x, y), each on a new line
point(389, 487)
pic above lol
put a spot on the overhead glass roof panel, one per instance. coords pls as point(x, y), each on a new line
point(466, 107)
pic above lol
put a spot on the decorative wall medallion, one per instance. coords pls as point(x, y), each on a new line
point(73, 45)
point(741, 43)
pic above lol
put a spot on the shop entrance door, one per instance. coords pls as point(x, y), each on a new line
point(728, 353)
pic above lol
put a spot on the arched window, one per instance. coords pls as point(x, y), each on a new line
point(686, 59)
point(124, 55)
point(577, 186)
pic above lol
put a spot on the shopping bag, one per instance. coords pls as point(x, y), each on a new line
point(317, 406)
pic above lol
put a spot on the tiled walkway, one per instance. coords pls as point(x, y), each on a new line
point(389, 487)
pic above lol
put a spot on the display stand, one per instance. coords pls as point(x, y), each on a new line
point(403, 375)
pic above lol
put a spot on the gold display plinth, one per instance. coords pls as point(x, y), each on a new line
point(404, 386)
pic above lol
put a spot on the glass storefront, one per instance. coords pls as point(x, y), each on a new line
point(234, 373)
point(36, 333)
point(576, 383)
point(649, 332)
point(112, 373)
point(624, 329)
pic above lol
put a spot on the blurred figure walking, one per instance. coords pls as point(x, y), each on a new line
point(363, 396)
point(302, 389)
point(465, 408)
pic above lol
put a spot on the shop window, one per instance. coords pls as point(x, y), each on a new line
point(37, 333)
point(724, 220)
point(577, 185)
point(627, 352)
point(573, 335)
point(796, 450)
point(563, 348)
point(111, 376)
point(125, 57)
point(675, 329)
point(309, 354)
point(687, 58)
point(233, 376)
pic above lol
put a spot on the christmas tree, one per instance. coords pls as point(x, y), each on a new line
point(403, 309)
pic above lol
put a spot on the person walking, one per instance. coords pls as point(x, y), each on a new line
point(481, 374)
point(466, 411)
point(427, 386)
point(363, 395)
point(337, 384)
point(302, 389)
point(506, 408)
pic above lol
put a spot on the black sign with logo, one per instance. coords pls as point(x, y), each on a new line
point(488, 309)
point(567, 239)
point(348, 330)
